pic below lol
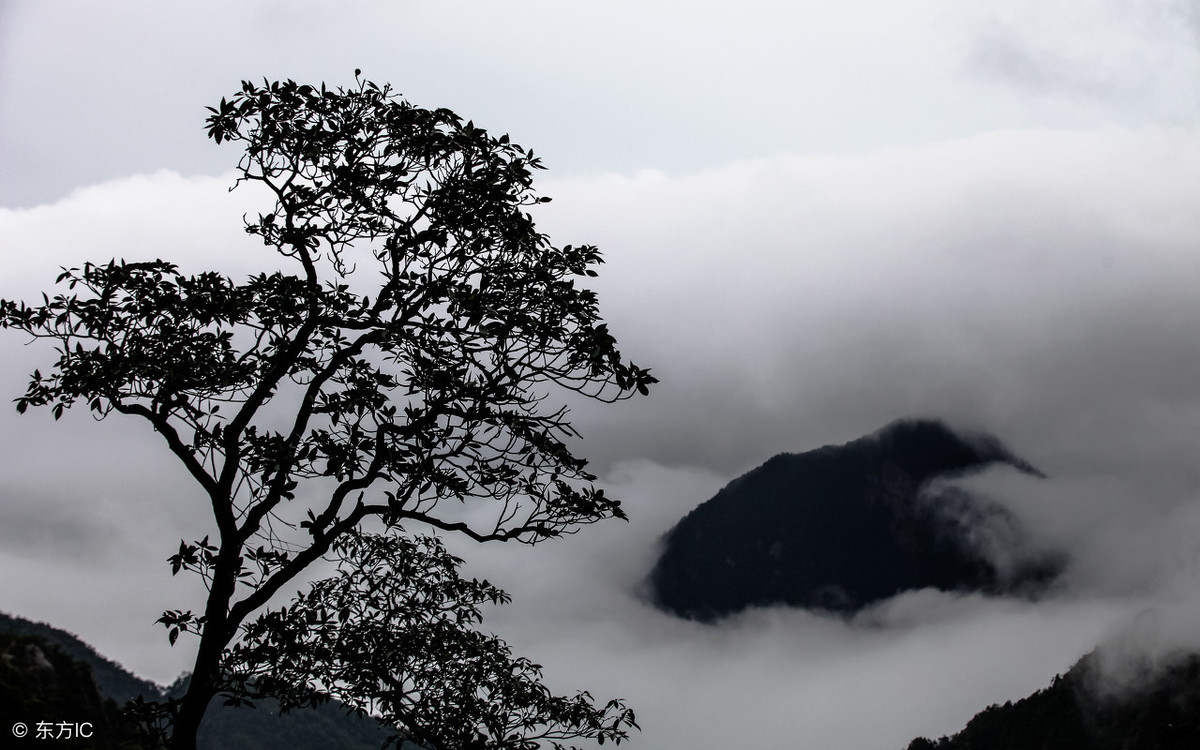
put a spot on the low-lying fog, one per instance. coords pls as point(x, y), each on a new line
point(1036, 285)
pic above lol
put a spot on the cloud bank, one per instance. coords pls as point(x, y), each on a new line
point(1037, 285)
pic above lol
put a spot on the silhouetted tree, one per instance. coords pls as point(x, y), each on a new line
point(326, 411)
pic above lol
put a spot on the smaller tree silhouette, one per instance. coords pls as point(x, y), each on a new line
point(328, 414)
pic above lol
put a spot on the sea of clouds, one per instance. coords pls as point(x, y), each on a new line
point(1038, 285)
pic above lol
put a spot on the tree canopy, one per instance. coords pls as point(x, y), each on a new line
point(405, 371)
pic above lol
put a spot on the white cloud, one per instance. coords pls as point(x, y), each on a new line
point(1030, 283)
point(1130, 53)
point(103, 91)
point(1038, 285)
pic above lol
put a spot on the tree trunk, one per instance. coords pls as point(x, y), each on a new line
point(187, 721)
point(214, 637)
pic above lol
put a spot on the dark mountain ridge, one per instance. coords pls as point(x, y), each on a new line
point(45, 694)
point(841, 527)
point(1076, 712)
point(48, 674)
point(112, 680)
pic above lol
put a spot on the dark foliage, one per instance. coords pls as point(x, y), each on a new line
point(400, 368)
point(1072, 714)
point(840, 527)
point(263, 727)
point(55, 696)
point(394, 632)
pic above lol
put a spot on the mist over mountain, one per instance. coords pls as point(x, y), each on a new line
point(1158, 708)
point(841, 527)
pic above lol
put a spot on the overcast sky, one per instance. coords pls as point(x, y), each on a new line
point(816, 217)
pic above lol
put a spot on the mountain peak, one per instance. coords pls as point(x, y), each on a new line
point(841, 527)
point(929, 446)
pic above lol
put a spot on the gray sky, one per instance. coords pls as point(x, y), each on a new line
point(816, 220)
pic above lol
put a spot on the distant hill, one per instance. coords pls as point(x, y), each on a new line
point(49, 674)
point(840, 527)
point(113, 680)
point(56, 699)
point(1159, 713)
